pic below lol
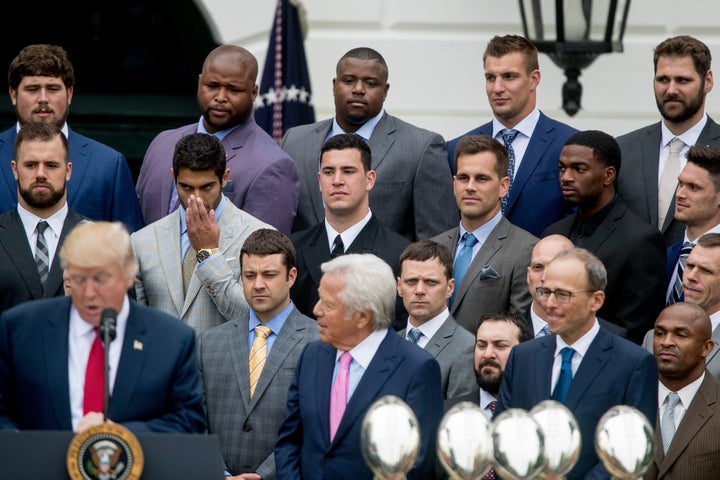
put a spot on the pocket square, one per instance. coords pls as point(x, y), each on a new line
point(487, 272)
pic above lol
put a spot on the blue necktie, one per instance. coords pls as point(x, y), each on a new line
point(462, 262)
point(414, 335)
point(508, 136)
point(676, 294)
point(544, 331)
point(565, 378)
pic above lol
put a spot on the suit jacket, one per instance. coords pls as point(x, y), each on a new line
point(101, 186)
point(263, 180)
point(413, 193)
point(214, 293)
point(673, 255)
point(507, 251)
point(637, 180)
point(312, 250)
point(248, 427)
point(712, 361)
point(633, 253)
point(535, 200)
point(157, 387)
point(304, 450)
point(613, 372)
point(454, 349)
point(695, 448)
point(19, 279)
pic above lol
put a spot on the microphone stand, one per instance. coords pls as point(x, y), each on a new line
point(108, 324)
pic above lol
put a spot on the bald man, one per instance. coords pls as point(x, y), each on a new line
point(686, 439)
point(263, 178)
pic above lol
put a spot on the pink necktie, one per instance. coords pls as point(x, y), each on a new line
point(339, 394)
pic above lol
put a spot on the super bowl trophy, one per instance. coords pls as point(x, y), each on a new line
point(390, 438)
point(518, 445)
point(464, 442)
point(624, 441)
point(562, 438)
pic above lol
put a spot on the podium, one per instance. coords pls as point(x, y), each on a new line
point(39, 454)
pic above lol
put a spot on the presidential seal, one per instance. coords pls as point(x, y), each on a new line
point(105, 452)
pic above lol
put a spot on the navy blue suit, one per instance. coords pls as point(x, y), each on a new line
point(399, 368)
point(157, 387)
point(613, 372)
point(673, 255)
point(101, 186)
point(535, 200)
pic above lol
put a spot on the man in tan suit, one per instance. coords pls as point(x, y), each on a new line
point(686, 436)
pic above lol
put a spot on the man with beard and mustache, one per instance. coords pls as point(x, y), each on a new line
point(654, 155)
point(32, 233)
point(41, 80)
point(263, 178)
point(632, 251)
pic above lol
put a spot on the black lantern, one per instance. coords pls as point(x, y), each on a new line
point(573, 33)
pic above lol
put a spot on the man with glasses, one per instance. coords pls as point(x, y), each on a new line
point(580, 364)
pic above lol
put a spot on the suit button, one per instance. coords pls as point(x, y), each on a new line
point(247, 428)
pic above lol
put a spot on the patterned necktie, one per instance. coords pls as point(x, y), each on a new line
point(188, 267)
point(676, 295)
point(544, 331)
point(668, 180)
point(490, 475)
point(413, 335)
point(462, 262)
point(508, 136)
point(338, 247)
point(94, 391)
point(565, 378)
point(667, 425)
point(339, 393)
point(258, 355)
point(42, 257)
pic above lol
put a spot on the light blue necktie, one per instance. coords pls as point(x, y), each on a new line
point(413, 335)
point(544, 331)
point(462, 262)
point(508, 136)
point(565, 378)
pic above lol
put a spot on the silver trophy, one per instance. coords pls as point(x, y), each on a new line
point(562, 438)
point(518, 445)
point(464, 442)
point(625, 442)
point(390, 438)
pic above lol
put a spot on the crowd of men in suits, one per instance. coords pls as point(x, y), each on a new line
point(364, 256)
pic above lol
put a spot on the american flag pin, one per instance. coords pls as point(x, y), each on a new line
point(137, 345)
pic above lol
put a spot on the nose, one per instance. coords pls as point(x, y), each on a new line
point(358, 87)
point(259, 283)
point(420, 288)
point(221, 95)
point(317, 310)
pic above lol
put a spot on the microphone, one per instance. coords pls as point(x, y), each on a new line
point(108, 332)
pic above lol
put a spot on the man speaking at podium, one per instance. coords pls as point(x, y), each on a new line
point(51, 360)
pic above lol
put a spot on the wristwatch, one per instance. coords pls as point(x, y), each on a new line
point(204, 253)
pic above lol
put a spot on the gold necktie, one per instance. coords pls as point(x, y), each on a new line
point(188, 267)
point(668, 180)
point(258, 354)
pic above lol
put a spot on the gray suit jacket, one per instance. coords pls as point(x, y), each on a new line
point(496, 280)
point(215, 292)
point(454, 349)
point(248, 427)
point(712, 362)
point(637, 180)
point(413, 193)
point(694, 452)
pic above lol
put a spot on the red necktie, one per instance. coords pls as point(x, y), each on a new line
point(95, 377)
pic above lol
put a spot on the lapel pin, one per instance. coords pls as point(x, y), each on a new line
point(137, 345)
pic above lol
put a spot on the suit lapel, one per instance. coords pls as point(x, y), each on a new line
point(239, 355)
point(365, 241)
point(79, 159)
point(591, 365)
point(316, 253)
point(19, 253)
point(649, 151)
point(132, 363)
point(167, 239)
point(606, 228)
point(716, 346)
point(542, 368)
point(324, 378)
point(381, 140)
point(55, 340)
point(442, 337)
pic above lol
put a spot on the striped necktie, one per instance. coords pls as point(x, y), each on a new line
point(42, 257)
point(676, 294)
point(258, 355)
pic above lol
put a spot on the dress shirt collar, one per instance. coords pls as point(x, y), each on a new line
point(689, 137)
point(64, 129)
point(485, 399)
point(218, 212)
point(220, 135)
point(275, 324)
point(30, 220)
point(582, 344)
point(364, 351)
point(430, 327)
point(349, 235)
point(526, 126)
point(715, 320)
point(482, 232)
point(537, 322)
point(686, 394)
point(365, 131)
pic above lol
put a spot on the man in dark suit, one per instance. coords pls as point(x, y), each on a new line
point(632, 251)
point(425, 284)
point(581, 365)
point(413, 194)
point(357, 362)
point(263, 178)
point(491, 255)
point(247, 364)
point(654, 155)
point(686, 432)
point(29, 266)
point(51, 357)
point(512, 77)
point(345, 180)
point(41, 82)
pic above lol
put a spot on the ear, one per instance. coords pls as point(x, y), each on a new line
point(504, 186)
point(450, 288)
point(255, 92)
point(68, 172)
point(609, 177)
point(398, 287)
point(292, 275)
point(70, 91)
point(534, 79)
point(225, 177)
point(597, 299)
point(708, 81)
point(370, 177)
point(363, 319)
point(13, 96)
point(13, 165)
point(707, 347)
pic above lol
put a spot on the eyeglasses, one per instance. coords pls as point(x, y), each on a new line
point(562, 296)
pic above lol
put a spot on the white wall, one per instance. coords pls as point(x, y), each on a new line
point(434, 52)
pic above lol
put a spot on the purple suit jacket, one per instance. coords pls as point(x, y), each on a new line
point(263, 178)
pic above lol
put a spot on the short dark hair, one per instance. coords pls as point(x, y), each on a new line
point(41, 61)
point(594, 268)
point(199, 152)
point(605, 148)
point(709, 240)
point(500, 46)
point(685, 46)
point(425, 250)
point(349, 140)
point(365, 53)
point(472, 144)
point(267, 241)
point(41, 132)
point(708, 158)
point(525, 332)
